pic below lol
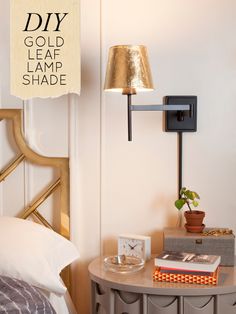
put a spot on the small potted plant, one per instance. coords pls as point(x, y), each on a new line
point(194, 218)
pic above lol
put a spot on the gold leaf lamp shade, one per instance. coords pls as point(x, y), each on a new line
point(128, 70)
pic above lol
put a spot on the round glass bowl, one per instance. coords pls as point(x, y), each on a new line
point(123, 264)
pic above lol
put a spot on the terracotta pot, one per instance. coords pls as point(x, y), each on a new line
point(194, 220)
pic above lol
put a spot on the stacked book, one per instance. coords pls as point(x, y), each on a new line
point(186, 268)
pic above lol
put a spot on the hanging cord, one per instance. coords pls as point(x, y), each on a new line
point(180, 173)
point(180, 161)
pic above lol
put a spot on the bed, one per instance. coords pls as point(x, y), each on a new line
point(34, 258)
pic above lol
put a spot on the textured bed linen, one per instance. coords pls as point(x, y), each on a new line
point(17, 296)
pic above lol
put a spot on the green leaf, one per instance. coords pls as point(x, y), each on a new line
point(196, 195)
point(189, 194)
point(181, 192)
point(195, 203)
point(179, 203)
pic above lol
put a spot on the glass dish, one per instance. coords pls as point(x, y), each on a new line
point(123, 264)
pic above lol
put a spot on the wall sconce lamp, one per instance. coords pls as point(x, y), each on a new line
point(128, 72)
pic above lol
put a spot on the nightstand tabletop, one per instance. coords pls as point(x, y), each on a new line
point(142, 282)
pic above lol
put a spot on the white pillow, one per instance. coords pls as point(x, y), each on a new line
point(34, 253)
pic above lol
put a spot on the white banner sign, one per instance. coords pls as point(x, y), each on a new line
point(45, 48)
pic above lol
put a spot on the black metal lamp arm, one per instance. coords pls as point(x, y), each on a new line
point(180, 109)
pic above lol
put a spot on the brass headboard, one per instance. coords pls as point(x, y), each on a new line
point(62, 164)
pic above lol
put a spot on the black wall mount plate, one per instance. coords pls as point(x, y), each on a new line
point(187, 123)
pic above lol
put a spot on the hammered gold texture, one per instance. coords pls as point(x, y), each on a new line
point(128, 70)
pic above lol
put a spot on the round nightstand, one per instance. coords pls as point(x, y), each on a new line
point(136, 293)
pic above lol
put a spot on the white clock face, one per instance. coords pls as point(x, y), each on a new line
point(131, 247)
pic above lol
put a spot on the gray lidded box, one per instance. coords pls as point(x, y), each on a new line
point(178, 239)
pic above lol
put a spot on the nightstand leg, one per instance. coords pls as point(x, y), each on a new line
point(92, 300)
point(180, 305)
point(145, 304)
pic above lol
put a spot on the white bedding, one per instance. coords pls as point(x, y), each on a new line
point(33, 253)
point(61, 304)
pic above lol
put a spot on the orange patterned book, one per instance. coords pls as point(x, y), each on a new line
point(212, 279)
